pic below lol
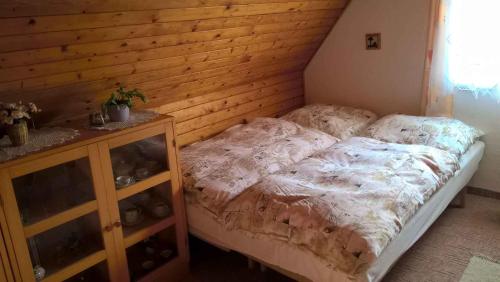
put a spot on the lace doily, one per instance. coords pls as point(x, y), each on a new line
point(37, 140)
point(134, 119)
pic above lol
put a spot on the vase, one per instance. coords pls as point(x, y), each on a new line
point(118, 112)
point(18, 133)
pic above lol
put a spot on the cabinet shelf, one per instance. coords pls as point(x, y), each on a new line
point(143, 185)
point(59, 219)
point(155, 252)
point(77, 267)
point(144, 230)
point(174, 266)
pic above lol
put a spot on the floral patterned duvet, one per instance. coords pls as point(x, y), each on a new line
point(346, 203)
point(219, 169)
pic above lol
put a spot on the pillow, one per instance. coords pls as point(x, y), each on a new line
point(443, 133)
point(339, 121)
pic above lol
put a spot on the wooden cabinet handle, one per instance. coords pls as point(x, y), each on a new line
point(117, 224)
point(108, 228)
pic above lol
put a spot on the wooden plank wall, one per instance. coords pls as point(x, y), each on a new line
point(210, 63)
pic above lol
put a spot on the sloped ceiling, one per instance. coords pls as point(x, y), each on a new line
point(210, 63)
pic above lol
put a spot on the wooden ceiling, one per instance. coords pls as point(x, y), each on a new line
point(210, 63)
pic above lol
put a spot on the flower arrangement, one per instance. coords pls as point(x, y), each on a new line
point(14, 113)
point(13, 116)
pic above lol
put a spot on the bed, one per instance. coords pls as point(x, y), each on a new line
point(305, 266)
point(282, 147)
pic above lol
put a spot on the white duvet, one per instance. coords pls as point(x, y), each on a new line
point(344, 202)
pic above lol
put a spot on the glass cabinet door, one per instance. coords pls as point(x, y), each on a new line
point(142, 182)
point(51, 191)
point(52, 205)
point(138, 161)
point(150, 254)
point(60, 247)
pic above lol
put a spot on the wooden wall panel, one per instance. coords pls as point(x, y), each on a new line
point(209, 63)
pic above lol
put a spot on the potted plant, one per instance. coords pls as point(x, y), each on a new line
point(119, 104)
point(13, 117)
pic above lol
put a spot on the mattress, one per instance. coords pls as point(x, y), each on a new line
point(303, 265)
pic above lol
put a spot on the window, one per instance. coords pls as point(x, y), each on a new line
point(473, 42)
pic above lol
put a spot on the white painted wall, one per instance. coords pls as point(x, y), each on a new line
point(390, 80)
point(385, 81)
point(484, 113)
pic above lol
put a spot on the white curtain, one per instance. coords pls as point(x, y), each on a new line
point(437, 99)
point(463, 53)
point(474, 44)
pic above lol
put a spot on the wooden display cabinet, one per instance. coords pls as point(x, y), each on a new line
point(105, 207)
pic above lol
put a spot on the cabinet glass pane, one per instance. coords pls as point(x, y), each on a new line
point(139, 160)
point(63, 245)
point(146, 208)
point(97, 273)
point(53, 190)
point(152, 253)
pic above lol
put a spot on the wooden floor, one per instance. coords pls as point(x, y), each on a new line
point(440, 255)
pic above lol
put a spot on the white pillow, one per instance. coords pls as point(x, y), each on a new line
point(443, 133)
point(339, 121)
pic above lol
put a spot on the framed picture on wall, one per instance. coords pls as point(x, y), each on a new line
point(373, 41)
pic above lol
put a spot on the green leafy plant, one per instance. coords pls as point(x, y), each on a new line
point(125, 97)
